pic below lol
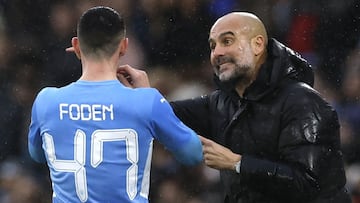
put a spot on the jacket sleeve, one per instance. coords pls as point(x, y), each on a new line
point(194, 113)
point(310, 160)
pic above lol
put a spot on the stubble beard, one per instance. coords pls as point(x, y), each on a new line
point(240, 74)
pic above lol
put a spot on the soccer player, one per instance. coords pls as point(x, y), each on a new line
point(95, 134)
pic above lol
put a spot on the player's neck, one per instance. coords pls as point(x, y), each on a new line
point(98, 70)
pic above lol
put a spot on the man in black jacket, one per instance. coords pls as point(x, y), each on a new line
point(278, 140)
point(271, 135)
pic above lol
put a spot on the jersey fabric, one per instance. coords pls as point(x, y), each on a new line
point(97, 137)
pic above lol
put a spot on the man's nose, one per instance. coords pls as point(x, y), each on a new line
point(218, 51)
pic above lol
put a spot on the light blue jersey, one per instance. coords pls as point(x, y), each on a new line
point(97, 140)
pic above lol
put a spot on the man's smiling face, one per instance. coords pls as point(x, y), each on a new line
point(231, 53)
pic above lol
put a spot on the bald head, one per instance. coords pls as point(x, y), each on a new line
point(244, 23)
point(238, 44)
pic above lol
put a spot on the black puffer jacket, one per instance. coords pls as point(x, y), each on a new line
point(287, 134)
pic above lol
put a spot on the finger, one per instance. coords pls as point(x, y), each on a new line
point(124, 80)
point(206, 157)
point(209, 161)
point(134, 73)
point(70, 49)
point(138, 77)
point(126, 68)
point(127, 71)
point(204, 140)
point(208, 149)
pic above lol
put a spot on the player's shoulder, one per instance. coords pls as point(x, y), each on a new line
point(148, 90)
point(53, 90)
point(152, 95)
point(46, 92)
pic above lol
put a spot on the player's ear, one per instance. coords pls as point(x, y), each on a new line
point(123, 46)
point(75, 43)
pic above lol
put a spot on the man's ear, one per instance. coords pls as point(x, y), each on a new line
point(258, 44)
point(75, 43)
point(123, 46)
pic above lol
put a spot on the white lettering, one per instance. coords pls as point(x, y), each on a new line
point(62, 110)
point(108, 109)
point(86, 112)
point(74, 112)
point(96, 111)
point(85, 109)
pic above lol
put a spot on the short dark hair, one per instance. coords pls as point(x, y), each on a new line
point(100, 31)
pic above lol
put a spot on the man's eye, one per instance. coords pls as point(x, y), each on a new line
point(227, 41)
point(212, 46)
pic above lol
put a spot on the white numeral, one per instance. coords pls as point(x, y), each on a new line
point(130, 138)
point(98, 138)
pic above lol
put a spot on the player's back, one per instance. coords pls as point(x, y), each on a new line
point(98, 141)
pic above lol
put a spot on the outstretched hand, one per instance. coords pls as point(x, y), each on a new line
point(127, 75)
point(217, 156)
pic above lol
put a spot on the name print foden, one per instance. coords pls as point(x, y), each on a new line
point(86, 112)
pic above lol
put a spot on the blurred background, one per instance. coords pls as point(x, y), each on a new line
point(168, 39)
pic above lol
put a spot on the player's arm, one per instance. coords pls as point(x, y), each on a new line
point(180, 140)
point(183, 142)
point(34, 139)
